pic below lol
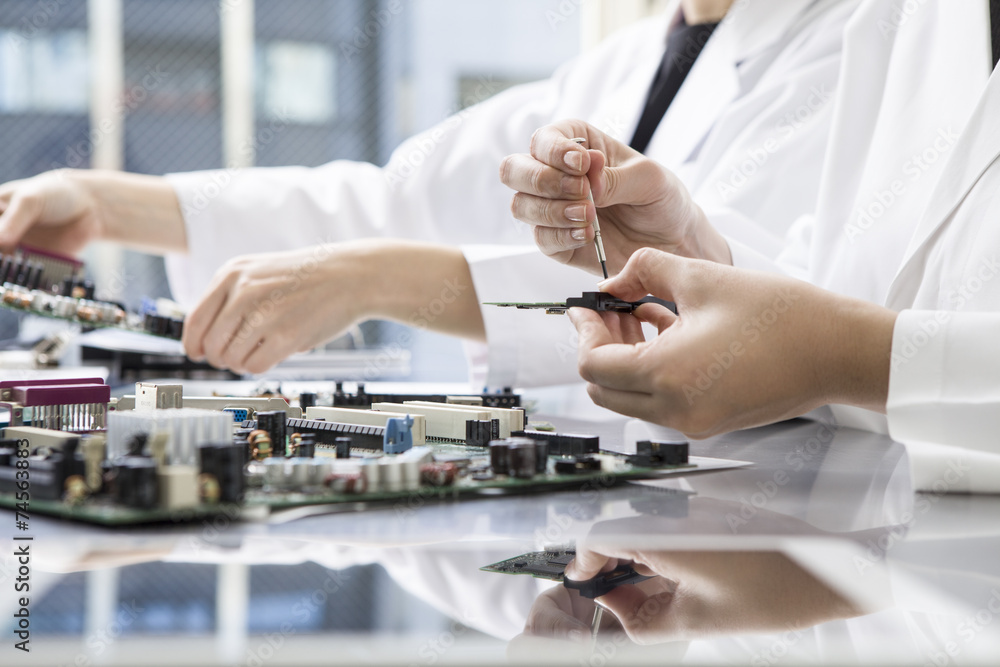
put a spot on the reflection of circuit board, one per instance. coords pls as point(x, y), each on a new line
point(551, 565)
point(548, 564)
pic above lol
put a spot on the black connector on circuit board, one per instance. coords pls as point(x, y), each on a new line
point(601, 302)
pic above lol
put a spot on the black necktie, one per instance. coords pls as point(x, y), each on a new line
point(995, 29)
point(683, 47)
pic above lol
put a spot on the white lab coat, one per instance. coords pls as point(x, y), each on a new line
point(909, 216)
point(745, 133)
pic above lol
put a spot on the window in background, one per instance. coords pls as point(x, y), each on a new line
point(47, 73)
point(296, 82)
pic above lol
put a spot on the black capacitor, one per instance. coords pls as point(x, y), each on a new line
point(343, 445)
point(232, 481)
point(16, 267)
point(478, 433)
point(136, 482)
point(175, 328)
point(67, 286)
point(500, 457)
point(307, 399)
point(541, 456)
point(88, 290)
point(225, 461)
point(5, 262)
point(273, 422)
point(24, 275)
point(307, 446)
point(35, 276)
point(522, 457)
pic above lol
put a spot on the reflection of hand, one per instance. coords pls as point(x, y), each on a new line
point(259, 309)
point(64, 210)
point(699, 594)
point(639, 202)
point(746, 349)
point(559, 621)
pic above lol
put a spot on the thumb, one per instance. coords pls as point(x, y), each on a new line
point(588, 564)
point(650, 271)
point(636, 181)
point(16, 219)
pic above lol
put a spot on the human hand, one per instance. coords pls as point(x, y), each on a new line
point(64, 210)
point(639, 202)
point(696, 594)
point(259, 309)
point(52, 211)
point(746, 349)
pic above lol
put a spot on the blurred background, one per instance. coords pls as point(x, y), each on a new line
point(159, 86)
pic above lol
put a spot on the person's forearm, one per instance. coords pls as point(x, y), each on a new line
point(860, 344)
point(136, 210)
point(427, 286)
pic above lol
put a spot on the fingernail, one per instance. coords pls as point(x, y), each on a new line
point(574, 160)
point(601, 285)
point(579, 234)
point(576, 213)
point(577, 636)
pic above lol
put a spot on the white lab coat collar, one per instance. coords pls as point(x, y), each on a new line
point(975, 151)
point(749, 27)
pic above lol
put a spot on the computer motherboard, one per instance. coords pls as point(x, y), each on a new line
point(158, 456)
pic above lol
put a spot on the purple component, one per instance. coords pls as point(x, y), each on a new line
point(63, 394)
point(10, 384)
point(65, 259)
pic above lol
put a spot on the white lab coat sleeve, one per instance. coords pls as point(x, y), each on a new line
point(422, 193)
point(944, 399)
point(525, 348)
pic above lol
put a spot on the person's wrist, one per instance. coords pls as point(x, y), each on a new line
point(861, 343)
point(701, 240)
